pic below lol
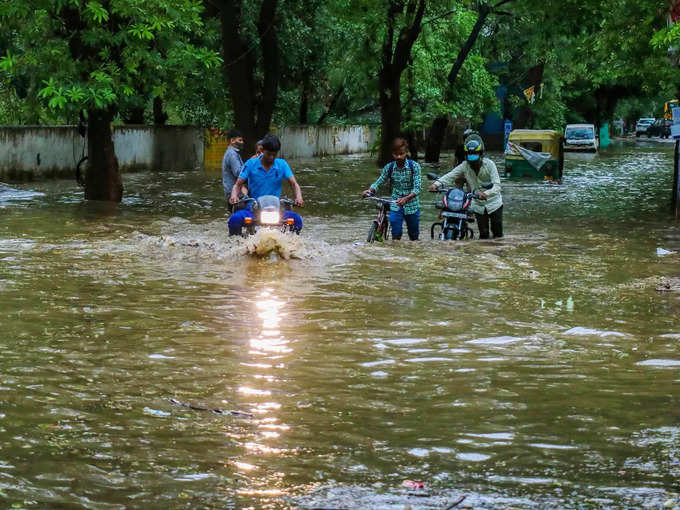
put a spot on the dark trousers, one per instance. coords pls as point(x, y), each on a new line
point(412, 224)
point(496, 220)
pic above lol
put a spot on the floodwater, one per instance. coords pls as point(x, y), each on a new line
point(539, 371)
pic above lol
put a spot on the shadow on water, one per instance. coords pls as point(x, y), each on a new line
point(537, 371)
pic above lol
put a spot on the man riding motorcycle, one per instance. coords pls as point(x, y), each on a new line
point(264, 176)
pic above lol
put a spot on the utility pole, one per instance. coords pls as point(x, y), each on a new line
point(675, 202)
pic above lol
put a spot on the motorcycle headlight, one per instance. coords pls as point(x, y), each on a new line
point(270, 217)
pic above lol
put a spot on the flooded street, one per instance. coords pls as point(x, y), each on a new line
point(537, 371)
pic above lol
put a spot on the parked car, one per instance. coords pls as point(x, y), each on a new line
point(642, 124)
point(580, 137)
point(660, 127)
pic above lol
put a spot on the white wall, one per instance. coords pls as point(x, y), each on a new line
point(32, 152)
point(310, 141)
point(35, 152)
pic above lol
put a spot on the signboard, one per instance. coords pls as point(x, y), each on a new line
point(675, 127)
point(507, 127)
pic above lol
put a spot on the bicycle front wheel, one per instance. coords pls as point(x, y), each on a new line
point(384, 230)
point(372, 231)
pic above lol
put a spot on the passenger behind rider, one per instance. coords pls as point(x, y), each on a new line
point(258, 150)
point(264, 176)
point(405, 178)
point(232, 161)
point(476, 169)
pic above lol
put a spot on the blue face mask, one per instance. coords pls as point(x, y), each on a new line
point(472, 157)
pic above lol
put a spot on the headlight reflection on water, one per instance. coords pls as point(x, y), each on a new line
point(268, 349)
point(270, 339)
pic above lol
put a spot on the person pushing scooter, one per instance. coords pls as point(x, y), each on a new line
point(476, 169)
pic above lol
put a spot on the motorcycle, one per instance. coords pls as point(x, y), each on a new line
point(268, 212)
point(455, 212)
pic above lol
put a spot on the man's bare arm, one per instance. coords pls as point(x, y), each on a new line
point(298, 192)
point(235, 190)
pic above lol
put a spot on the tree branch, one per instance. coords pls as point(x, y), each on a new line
point(431, 20)
point(408, 36)
point(484, 11)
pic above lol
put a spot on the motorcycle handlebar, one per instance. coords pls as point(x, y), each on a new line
point(250, 199)
point(446, 190)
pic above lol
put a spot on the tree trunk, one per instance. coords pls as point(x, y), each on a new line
point(238, 68)
point(252, 102)
point(435, 138)
point(393, 63)
point(304, 101)
point(269, 44)
point(159, 116)
point(102, 180)
point(390, 118)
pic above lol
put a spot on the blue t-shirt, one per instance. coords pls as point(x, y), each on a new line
point(265, 182)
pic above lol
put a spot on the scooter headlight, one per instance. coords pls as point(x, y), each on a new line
point(270, 217)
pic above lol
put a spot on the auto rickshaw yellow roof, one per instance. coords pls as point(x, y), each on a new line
point(534, 134)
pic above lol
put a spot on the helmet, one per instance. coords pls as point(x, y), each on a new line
point(474, 147)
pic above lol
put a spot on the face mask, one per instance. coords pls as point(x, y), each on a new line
point(473, 157)
point(239, 145)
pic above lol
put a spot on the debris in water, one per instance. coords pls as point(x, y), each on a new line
point(415, 488)
point(156, 412)
point(215, 411)
point(456, 503)
point(660, 252)
point(669, 285)
point(410, 484)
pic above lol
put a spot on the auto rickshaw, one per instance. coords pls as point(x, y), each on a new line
point(536, 140)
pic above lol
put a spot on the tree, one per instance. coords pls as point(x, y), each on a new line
point(101, 57)
point(251, 63)
point(439, 125)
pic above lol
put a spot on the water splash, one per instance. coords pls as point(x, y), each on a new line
point(269, 241)
point(181, 239)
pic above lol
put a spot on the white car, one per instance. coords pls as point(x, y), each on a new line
point(642, 124)
point(580, 137)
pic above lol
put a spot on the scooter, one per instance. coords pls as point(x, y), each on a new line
point(455, 213)
point(268, 213)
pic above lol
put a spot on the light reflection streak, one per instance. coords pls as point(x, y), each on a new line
point(268, 345)
point(260, 448)
point(254, 391)
point(244, 466)
point(260, 492)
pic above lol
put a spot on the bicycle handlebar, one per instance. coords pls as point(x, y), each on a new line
point(381, 200)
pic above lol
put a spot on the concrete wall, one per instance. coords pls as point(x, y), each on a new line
point(310, 141)
point(33, 152)
point(300, 142)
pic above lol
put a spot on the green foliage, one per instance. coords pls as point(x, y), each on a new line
point(433, 56)
point(102, 55)
point(120, 54)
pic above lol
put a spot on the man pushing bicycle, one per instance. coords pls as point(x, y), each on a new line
point(405, 178)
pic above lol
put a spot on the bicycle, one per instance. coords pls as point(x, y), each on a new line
point(380, 227)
